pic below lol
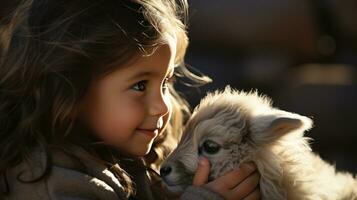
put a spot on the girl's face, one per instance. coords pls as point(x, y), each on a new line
point(131, 106)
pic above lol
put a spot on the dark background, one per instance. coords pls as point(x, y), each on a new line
point(301, 53)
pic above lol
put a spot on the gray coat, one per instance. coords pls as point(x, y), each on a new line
point(80, 178)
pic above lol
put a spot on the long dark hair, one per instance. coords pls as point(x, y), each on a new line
point(50, 52)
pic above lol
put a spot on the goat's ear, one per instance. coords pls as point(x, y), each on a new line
point(273, 127)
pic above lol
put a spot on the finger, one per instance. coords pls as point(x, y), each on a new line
point(255, 195)
point(202, 172)
point(235, 177)
point(247, 186)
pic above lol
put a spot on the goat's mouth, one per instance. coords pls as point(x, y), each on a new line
point(170, 182)
point(174, 184)
point(176, 188)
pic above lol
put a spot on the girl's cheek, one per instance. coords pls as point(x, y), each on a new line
point(121, 120)
point(129, 115)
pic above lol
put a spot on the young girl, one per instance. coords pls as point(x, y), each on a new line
point(87, 105)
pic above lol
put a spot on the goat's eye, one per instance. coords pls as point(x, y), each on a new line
point(210, 147)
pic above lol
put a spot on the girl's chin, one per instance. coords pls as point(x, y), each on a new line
point(138, 149)
point(142, 150)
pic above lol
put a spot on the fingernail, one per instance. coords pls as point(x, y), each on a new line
point(202, 161)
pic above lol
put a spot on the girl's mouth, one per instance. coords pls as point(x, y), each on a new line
point(149, 132)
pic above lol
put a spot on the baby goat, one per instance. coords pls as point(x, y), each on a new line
point(232, 127)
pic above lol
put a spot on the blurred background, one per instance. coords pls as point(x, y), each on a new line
point(301, 53)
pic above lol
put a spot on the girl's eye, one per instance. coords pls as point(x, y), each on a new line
point(140, 86)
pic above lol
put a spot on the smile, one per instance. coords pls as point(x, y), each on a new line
point(151, 133)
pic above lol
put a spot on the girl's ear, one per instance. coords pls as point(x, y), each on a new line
point(269, 128)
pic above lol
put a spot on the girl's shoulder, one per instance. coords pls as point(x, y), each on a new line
point(74, 174)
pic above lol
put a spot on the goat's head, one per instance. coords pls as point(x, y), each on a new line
point(228, 128)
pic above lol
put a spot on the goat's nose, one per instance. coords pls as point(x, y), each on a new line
point(164, 171)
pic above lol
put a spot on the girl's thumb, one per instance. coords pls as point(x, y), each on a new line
point(202, 172)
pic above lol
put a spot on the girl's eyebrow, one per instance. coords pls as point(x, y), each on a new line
point(149, 73)
point(141, 74)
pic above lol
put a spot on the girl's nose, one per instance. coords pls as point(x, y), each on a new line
point(159, 105)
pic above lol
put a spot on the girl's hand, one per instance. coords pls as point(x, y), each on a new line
point(238, 184)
